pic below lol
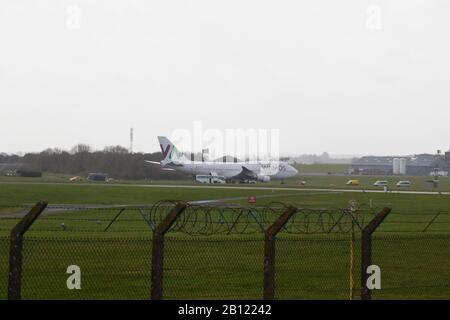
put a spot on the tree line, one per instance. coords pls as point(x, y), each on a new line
point(116, 161)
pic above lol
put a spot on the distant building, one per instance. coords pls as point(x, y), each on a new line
point(418, 165)
point(10, 167)
point(28, 174)
point(19, 170)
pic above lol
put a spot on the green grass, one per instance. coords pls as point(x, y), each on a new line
point(323, 168)
point(117, 264)
point(20, 193)
point(308, 267)
point(337, 180)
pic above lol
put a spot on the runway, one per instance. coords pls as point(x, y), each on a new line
point(61, 208)
point(293, 189)
point(237, 187)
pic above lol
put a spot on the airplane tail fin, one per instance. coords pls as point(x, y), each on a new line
point(170, 152)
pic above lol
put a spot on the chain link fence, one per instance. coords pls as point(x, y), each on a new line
point(4, 256)
point(317, 267)
point(224, 267)
point(111, 268)
point(414, 266)
point(221, 253)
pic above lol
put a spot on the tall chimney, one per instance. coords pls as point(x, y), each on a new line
point(131, 140)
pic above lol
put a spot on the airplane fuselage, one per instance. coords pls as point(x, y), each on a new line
point(275, 170)
point(251, 170)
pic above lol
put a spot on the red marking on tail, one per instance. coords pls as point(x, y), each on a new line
point(165, 152)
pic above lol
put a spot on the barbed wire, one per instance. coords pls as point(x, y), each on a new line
point(209, 220)
point(222, 219)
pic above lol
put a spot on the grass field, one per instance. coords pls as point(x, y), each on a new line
point(337, 180)
point(323, 168)
point(117, 263)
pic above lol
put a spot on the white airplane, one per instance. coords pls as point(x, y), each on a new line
point(263, 171)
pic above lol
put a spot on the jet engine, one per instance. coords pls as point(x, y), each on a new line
point(263, 178)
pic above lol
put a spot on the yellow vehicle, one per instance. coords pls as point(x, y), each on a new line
point(353, 182)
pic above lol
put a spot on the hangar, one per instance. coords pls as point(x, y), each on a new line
point(417, 165)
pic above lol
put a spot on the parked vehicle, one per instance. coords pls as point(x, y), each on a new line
point(381, 183)
point(248, 181)
point(206, 178)
point(404, 183)
point(353, 182)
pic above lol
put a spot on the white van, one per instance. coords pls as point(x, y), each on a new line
point(381, 183)
point(206, 178)
point(403, 183)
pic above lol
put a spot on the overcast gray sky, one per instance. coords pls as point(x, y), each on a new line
point(347, 77)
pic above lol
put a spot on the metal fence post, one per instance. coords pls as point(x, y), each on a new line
point(269, 252)
point(366, 250)
point(158, 250)
point(15, 250)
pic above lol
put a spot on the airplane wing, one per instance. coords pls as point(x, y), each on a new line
point(153, 162)
point(162, 163)
point(159, 163)
point(245, 174)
